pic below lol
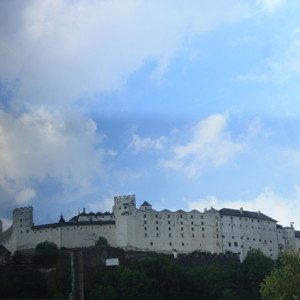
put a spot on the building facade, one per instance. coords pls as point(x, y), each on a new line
point(132, 228)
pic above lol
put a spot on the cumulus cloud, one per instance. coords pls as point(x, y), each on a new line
point(209, 144)
point(40, 145)
point(55, 51)
point(139, 144)
point(270, 5)
point(269, 202)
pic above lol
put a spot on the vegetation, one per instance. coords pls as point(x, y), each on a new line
point(164, 278)
point(283, 282)
point(161, 277)
point(46, 254)
point(102, 241)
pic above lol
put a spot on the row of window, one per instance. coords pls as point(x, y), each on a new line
point(170, 235)
point(170, 228)
point(169, 216)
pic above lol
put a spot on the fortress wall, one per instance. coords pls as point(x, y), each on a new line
point(180, 230)
point(240, 235)
point(86, 235)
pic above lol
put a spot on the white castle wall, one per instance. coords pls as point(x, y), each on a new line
point(147, 229)
point(241, 234)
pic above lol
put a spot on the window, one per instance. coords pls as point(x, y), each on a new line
point(182, 244)
point(156, 216)
point(170, 244)
point(145, 222)
point(202, 228)
point(217, 235)
point(170, 235)
point(181, 228)
point(156, 222)
point(202, 223)
point(169, 222)
point(156, 228)
point(194, 236)
point(145, 216)
point(146, 234)
point(201, 217)
point(235, 244)
point(180, 216)
point(192, 223)
point(192, 216)
point(169, 228)
point(157, 235)
point(145, 228)
point(182, 235)
point(169, 216)
point(233, 237)
point(181, 222)
point(151, 244)
point(203, 235)
point(192, 228)
point(229, 244)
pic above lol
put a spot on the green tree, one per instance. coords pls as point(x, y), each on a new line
point(255, 267)
point(46, 254)
point(17, 257)
point(102, 241)
point(283, 282)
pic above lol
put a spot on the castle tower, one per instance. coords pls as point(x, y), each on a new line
point(125, 215)
point(23, 217)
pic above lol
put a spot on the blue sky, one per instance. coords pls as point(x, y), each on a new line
point(186, 104)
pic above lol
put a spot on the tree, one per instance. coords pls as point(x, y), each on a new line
point(17, 257)
point(102, 241)
point(46, 254)
point(283, 282)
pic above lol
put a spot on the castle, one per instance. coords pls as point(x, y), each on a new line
point(132, 228)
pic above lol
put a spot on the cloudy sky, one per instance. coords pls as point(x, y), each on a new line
point(186, 104)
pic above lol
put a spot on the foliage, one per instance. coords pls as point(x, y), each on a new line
point(102, 241)
point(254, 269)
point(22, 282)
point(46, 254)
point(283, 282)
point(17, 257)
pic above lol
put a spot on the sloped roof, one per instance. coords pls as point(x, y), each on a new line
point(297, 233)
point(245, 213)
point(146, 204)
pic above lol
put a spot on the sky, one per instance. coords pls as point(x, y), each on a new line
point(185, 104)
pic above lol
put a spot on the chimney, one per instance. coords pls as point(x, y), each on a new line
point(83, 210)
point(241, 211)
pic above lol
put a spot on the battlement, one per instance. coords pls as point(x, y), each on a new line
point(125, 197)
point(22, 209)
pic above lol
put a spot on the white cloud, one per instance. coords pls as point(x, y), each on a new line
point(105, 204)
point(40, 145)
point(270, 203)
point(270, 5)
point(56, 51)
point(210, 144)
point(25, 196)
point(139, 144)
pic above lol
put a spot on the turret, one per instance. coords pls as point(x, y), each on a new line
point(23, 217)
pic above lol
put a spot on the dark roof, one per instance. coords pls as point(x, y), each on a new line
point(79, 223)
point(245, 213)
point(297, 233)
point(146, 204)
